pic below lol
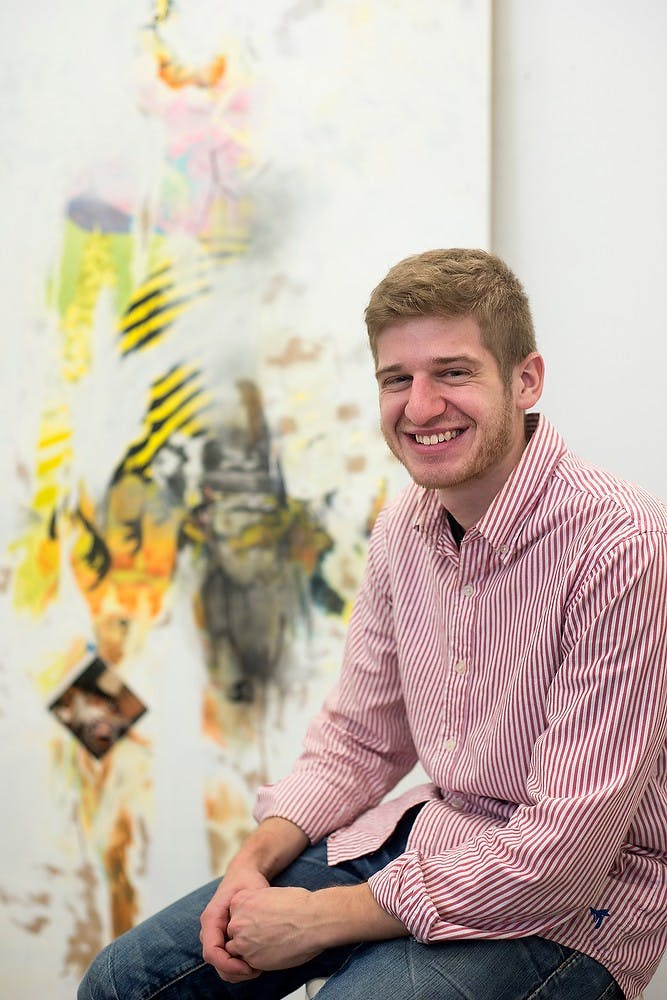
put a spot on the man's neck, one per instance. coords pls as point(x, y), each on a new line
point(458, 531)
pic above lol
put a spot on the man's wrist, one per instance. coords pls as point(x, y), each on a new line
point(271, 847)
point(348, 914)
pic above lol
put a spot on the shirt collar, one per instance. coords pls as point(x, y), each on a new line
point(503, 521)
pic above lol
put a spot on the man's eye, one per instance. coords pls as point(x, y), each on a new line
point(454, 373)
point(395, 381)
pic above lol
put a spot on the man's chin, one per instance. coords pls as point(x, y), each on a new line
point(431, 480)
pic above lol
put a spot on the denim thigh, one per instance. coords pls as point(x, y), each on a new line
point(529, 968)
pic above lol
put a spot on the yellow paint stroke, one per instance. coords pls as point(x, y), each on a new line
point(53, 675)
point(96, 271)
point(149, 332)
point(54, 457)
point(194, 427)
point(55, 435)
point(162, 10)
point(159, 436)
point(172, 380)
point(37, 575)
point(176, 403)
point(293, 529)
point(156, 294)
point(46, 498)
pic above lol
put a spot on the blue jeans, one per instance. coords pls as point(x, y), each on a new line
point(161, 957)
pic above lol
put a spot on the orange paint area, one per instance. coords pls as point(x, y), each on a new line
point(124, 567)
point(123, 897)
point(177, 75)
point(228, 823)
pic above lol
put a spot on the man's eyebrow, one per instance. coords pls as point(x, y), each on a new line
point(453, 359)
point(388, 369)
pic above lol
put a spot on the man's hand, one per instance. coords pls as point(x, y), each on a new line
point(214, 934)
point(267, 851)
point(250, 926)
point(271, 928)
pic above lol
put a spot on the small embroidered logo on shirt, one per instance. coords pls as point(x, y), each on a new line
point(598, 916)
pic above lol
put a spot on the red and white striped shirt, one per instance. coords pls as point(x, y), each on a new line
point(527, 673)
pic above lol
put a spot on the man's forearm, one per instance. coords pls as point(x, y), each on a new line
point(271, 847)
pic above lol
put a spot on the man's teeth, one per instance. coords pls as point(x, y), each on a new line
point(436, 438)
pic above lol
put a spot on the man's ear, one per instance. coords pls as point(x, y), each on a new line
point(529, 380)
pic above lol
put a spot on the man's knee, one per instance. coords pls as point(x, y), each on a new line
point(97, 983)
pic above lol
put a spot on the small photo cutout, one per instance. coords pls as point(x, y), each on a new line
point(98, 707)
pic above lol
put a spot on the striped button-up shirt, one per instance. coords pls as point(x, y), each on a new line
point(527, 673)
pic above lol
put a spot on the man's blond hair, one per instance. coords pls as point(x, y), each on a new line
point(452, 283)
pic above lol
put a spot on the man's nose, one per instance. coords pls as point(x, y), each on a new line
point(425, 403)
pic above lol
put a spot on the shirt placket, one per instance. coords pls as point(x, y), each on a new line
point(463, 601)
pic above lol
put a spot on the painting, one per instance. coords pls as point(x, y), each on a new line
point(197, 200)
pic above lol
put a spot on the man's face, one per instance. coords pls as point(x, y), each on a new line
point(446, 413)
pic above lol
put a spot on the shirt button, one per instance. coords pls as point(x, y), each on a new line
point(449, 745)
point(456, 802)
point(504, 549)
point(468, 590)
point(461, 667)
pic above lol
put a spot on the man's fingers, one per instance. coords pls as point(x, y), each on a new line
point(232, 949)
point(235, 970)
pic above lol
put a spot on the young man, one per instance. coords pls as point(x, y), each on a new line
point(509, 635)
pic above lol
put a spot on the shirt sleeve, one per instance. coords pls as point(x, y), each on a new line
point(591, 766)
point(359, 745)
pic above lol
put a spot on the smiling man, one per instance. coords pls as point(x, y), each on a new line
point(510, 636)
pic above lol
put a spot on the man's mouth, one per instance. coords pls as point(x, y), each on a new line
point(437, 438)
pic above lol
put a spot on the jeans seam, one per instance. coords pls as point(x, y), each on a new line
point(176, 979)
point(112, 978)
point(570, 960)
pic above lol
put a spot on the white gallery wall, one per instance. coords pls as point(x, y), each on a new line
point(580, 212)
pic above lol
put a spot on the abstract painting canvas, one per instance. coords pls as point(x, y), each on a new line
point(197, 199)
